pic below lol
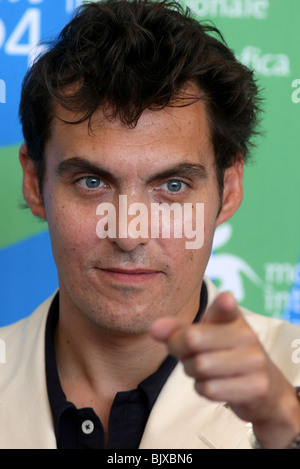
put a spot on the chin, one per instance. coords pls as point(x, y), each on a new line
point(122, 322)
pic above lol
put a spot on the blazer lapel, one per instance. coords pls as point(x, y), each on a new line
point(182, 419)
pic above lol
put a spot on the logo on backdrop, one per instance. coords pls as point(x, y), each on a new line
point(280, 286)
point(266, 64)
point(291, 297)
point(229, 270)
point(258, 9)
point(262, 62)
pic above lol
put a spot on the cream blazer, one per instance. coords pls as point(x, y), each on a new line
point(180, 418)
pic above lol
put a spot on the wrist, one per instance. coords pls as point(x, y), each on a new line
point(286, 437)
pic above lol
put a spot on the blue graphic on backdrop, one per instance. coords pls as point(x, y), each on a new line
point(30, 276)
point(24, 24)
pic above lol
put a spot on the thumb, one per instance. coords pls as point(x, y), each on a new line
point(163, 328)
point(223, 309)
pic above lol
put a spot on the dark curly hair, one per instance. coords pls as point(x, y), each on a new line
point(130, 55)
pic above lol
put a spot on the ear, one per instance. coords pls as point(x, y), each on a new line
point(232, 191)
point(31, 190)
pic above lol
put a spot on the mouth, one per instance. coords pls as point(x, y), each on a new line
point(130, 275)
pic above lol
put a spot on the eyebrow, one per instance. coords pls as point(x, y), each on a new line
point(78, 163)
point(190, 170)
point(185, 169)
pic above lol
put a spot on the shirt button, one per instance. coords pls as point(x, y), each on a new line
point(87, 427)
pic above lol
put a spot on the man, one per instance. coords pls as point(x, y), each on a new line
point(138, 102)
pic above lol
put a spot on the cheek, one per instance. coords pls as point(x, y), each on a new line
point(199, 229)
point(185, 264)
point(72, 230)
point(209, 229)
point(195, 234)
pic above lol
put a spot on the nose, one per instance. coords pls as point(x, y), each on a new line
point(132, 224)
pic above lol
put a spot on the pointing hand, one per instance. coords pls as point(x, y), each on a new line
point(228, 363)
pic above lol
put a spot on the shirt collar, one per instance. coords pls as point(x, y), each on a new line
point(150, 386)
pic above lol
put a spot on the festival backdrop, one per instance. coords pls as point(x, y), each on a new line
point(256, 254)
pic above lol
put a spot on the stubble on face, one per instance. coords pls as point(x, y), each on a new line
point(161, 139)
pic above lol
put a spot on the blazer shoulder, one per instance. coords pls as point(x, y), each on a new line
point(27, 322)
point(23, 384)
point(23, 344)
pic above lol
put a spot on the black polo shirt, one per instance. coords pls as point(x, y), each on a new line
point(81, 428)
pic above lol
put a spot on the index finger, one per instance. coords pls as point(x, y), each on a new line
point(176, 335)
point(217, 330)
point(222, 310)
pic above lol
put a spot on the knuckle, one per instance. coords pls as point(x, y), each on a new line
point(207, 389)
point(249, 337)
point(257, 360)
point(260, 387)
point(198, 367)
point(202, 365)
point(193, 338)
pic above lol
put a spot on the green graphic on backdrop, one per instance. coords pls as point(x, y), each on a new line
point(16, 222)
point(261, 243)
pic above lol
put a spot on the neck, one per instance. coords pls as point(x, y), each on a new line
point(100, 358)
point(94, 365)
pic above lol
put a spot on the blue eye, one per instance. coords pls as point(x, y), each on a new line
point(174, 185)
point(90, 182)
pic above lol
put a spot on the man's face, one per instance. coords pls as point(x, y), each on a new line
point(123, 284)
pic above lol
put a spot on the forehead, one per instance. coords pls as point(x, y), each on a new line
point(170, 133)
